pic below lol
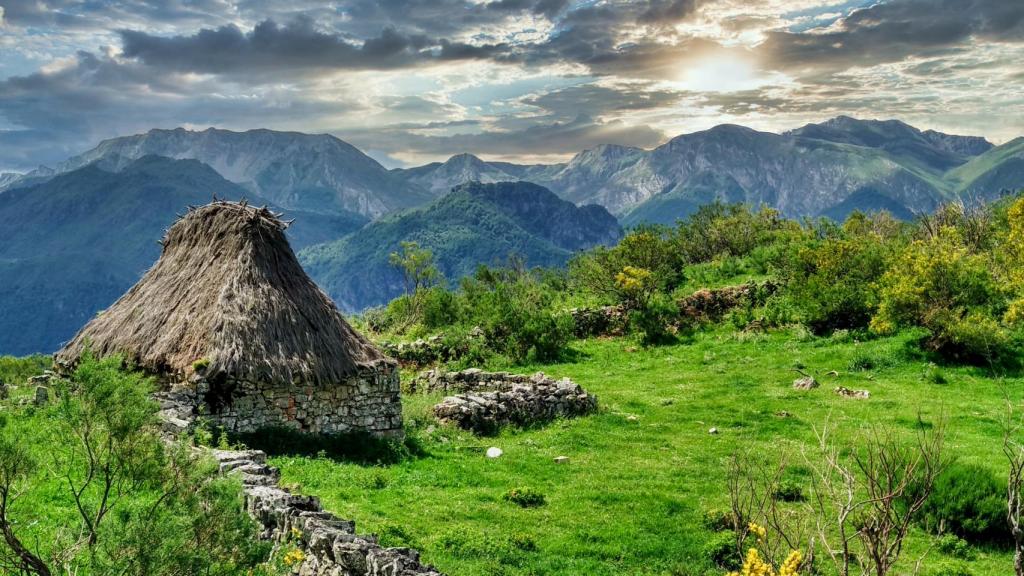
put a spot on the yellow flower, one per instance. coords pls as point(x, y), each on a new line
point(753, 565)
point(791, 566)
point(759, 532)
point(294, 557)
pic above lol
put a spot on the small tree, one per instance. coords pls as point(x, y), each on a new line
point(417, 265)
point(870, 499)
point(1013, 448)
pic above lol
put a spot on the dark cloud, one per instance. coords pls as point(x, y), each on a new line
point(78, 15)
point(64, 112)
point(668, 11)
point(293, 48)
point(893, 31)
point(595, 100)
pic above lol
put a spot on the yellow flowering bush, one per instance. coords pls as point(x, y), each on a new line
point(1014, 257)
point(754, 565)
point(635, 285)
point(294, 557)
point(942, 285)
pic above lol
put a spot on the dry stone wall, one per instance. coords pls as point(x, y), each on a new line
point(509, 399)
point(329, 544)
point(369, 402)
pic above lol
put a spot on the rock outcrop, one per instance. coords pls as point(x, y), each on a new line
point(509, 399)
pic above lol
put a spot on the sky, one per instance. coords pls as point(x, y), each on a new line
point(414, 81)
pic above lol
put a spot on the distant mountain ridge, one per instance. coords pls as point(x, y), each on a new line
point(826, 169)
point(72, 245)
point(474, 224)
point(309, 172)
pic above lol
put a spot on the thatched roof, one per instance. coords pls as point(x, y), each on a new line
point(229, 292)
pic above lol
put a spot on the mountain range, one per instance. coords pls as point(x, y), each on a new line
point(73, 244)
point(474, 224)
point(76, 235)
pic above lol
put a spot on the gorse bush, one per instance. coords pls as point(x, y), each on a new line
point(939, 284)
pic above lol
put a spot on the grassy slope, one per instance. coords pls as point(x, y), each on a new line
point(963, 176)
point(631, 500)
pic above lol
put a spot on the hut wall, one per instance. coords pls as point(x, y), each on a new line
point(367, 402)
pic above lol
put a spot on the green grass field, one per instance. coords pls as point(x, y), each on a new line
point(645, 469)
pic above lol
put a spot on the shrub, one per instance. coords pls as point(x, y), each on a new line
point(648, 249)
point(955, 546)
point(525, 497)
point(789, 491)
point(970, 502)
point(829, 283)
point(515, 312)
point(653, 322)
point(718, 520)
point(720, 550)
point(940, 285)
point(440, 307)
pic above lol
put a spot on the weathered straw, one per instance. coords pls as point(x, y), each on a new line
point(229, 293)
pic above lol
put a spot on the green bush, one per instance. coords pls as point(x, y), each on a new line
point(653, 323)
point(941, 285)
point(970, 502)
point(720, 550)
point(118, 499)
point(955, 546)
point(829, 284)
point(789, 491)
point(516, 313)
point(525, 497)
point(439, 307)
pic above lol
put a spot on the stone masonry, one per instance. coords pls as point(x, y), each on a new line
point(511, 399)
point(368, 402)
point(330, 544)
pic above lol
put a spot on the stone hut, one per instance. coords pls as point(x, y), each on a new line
point(228, 318)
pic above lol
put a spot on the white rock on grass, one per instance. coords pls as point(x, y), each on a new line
point(494, 452)
point(561, 459)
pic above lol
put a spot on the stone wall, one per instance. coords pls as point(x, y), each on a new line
point(471, 379)
point(369, 401)
point(512, 399)
point(329, 544)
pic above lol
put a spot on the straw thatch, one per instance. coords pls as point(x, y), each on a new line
point(228, 296)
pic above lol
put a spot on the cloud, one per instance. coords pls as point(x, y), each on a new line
point(70, 108)
point(596, 100)
point(293, 48)
point(557, 139)
point(894, 31)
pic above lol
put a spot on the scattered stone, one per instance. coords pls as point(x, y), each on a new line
point(632, 418)
point(713, 431)
point(834, 373)
point(783, 414)
point(805, 383)
point(41, 379)
point(42, 396)
point(498, 399)
point(494, 452)
point(848, 393)
point(603, 321)
point(561, 459)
